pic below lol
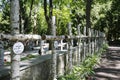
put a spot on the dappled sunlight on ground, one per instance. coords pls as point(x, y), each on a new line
point(109, 67)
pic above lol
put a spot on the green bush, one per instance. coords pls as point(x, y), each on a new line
point(82, 71)
point(86, 68)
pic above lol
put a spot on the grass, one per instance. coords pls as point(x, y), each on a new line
point(28, 57)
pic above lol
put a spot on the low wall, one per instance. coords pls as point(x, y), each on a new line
point(40, 68)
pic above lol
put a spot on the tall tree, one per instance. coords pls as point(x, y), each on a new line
point(28, 12)
point(48, 15)
point(88, 13)
point(25, 16)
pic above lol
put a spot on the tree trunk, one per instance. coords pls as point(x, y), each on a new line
point(14, 19)
point(48, 17)
point(31, 7)
point(35, 31)
point(88, 13)
point(22, 18)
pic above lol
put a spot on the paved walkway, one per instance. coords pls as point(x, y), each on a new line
point(109, 67)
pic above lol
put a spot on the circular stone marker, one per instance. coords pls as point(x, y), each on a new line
point(18, 48)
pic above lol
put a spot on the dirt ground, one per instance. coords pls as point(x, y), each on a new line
point(109, 67)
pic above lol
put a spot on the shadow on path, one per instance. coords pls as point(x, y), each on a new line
point(109, 67)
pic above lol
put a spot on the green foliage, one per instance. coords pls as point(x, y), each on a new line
point(82, 71)
point(28, 57)
point(62, 18)
point(68, 11)
point(113, 19)
point(69, 77)
point(5, 18)
point(98, 13)
point(41, 22)
point(7, 63)
point(77, 14)
point(105, 16)
point(105, 46)
point(85, 69)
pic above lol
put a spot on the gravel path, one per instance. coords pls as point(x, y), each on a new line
point(109, 67)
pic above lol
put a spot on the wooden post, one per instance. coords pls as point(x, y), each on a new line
point(95, 38)
point(84, 44)
point(100, 40)
point(22, 26)
point(42, 52)
point(1, 54)
point(79, 46)
point(104, 40)
point(14, 19)
point(89, 41)
point(54, 55)
point(92, 41)
point(70, 48)
point(66, 63)
point(61, 47)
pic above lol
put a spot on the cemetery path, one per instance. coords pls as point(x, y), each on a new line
point(109, 67)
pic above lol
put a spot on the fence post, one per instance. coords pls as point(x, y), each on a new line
point(54, 55)
point(42, 52)
point(61, 47)
point(89, 40)
point(100, 39)
point(103, 35)
point(70, 48)
point(79, 46)
point(92, 41)
point(84, 44)
point(97, 40)
point(14, 19)
point(1, 54)
point(95, 37)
